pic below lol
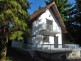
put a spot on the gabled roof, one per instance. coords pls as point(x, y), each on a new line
point(55, 11)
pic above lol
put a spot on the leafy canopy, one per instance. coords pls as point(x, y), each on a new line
point(13, 18)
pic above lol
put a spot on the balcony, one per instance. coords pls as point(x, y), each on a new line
point(47, 29)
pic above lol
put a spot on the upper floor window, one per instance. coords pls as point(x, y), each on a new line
point(49, 24)
point(49, 21)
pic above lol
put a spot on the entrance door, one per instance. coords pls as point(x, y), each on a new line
point(56, 41)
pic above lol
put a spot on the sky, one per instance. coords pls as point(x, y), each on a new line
point(36, 3)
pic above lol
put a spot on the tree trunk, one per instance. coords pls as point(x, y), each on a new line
point(3, 54)
point(3, 49)
point(9, 45)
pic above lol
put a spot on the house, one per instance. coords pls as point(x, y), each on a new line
point(47, 28)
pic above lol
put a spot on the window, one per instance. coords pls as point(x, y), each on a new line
point(49, 21)
point(46, 39)
point(49, 24)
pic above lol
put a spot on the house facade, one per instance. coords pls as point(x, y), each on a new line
point(47, 28)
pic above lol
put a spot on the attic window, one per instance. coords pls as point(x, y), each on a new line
point(49, 24)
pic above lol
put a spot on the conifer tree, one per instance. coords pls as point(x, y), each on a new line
point(63, 6)
point(76, 22)
point(13, 22)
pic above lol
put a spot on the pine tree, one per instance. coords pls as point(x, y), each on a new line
point(12, 22)
point(78, 4)
point(63, 6)
point(74, 23)
point(76, 26)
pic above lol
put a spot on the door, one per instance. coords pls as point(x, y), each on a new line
point(56, 41)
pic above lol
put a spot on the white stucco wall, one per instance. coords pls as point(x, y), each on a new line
point(38, 23)
point(37, 26)
point(42, 20)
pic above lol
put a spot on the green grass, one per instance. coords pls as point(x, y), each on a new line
point(9, 59)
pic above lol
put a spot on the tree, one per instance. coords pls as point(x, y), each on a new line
point(78, 4)
point(63, 6)
point(76, 22)
point(39, 8)
point(12, 22)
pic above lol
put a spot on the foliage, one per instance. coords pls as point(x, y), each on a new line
point(63, 6)
point(40, 7)
point(13, 21)
point(13, 18)
point(73, 24)
point(76, 22)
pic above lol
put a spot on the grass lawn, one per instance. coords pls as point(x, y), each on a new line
point(15, 55)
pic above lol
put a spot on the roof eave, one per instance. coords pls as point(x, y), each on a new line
point(58, 17)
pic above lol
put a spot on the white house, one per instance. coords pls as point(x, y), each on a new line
point(47, 28)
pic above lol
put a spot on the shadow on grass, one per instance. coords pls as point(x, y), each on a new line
point(18, 55)
point(15, 55)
